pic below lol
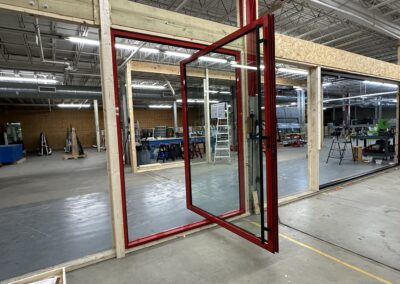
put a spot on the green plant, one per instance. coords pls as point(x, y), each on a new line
point(383, 124)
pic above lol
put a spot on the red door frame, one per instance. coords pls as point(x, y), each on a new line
point(179, 43)
point(269, 137)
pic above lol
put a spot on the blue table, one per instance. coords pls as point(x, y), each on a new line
point(158, 142)
point(148, 156)
point(11, 153)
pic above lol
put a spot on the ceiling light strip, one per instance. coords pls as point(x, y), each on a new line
point(360, 96)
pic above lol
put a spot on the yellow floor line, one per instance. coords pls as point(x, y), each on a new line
point(348, 265)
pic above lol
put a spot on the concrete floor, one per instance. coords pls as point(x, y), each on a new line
point(293, 168)
point(350, 235)
point(72, 197)
point(218, 256)
point(363, 217)
point(52, 211)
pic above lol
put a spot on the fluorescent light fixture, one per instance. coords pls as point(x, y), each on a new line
point(324, 108)
point(293, 104)
point(28, 80)
point(73, 105)
point(160, 106)
point(380, 84)
point(360, 96)
point(225, 92)
point(212, 59)
point(326, 84)
point(117, 45)
point(213, 92)
point(125, 46)
point(298, 87)
point(177, 54)
point(134, 47)
point(148, 50)
point(148, 87)
point(200, 101)
point(293, 71)
point(244, 66)
point(84, 40)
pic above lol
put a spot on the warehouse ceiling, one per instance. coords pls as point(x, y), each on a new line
point(367, 27)
point(70, 63)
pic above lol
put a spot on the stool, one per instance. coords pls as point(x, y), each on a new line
point(194, 150)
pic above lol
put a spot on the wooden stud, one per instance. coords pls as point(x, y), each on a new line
point(110, 123)
point(129, 95)
point(314, 98)
point(58, 273)
point(256, 203)
point(69, 16)
point(207, 123)
point(97, 124)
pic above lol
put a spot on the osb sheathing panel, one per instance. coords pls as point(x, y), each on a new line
point(54, 123)
point(138, 17)
point(309, 53)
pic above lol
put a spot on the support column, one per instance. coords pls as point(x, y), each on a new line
point(348, 122)
point(302, 109)
point(207, 117)
point(111, 115)
point(96, 123)
point(125, 121)
point(175, 108)
point(129, 101)
point(247, 11)
point(314, 101)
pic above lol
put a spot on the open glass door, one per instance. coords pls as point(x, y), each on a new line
point(239, 171)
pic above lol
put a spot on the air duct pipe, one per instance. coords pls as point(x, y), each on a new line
point(39, 37)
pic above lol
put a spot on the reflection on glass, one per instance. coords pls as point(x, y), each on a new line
point(213, 109)
point(360, 125)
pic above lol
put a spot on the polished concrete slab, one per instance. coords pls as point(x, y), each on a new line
point(54, 210)
point(363, 217)
point(218, 256)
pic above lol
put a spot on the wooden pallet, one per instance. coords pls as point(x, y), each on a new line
point(75, 157)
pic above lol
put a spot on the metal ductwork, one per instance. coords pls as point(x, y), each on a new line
point(31, 91)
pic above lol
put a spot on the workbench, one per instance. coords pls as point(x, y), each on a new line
point(386, 138)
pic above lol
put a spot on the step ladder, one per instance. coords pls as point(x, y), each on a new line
point(223, 142)
point(44, 149)
point(338, 151)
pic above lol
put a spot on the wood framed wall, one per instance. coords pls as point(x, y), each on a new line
point(131, 16)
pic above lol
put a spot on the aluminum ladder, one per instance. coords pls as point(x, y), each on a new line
point(223, 142)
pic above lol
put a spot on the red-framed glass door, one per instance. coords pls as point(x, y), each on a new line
point(118, 36)
point(217, 187)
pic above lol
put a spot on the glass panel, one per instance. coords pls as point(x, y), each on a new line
point(360, 124)
point(217, 181)
point(155, 194)
point(292, 131)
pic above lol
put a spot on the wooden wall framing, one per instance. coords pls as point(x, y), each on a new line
point(131, 16)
